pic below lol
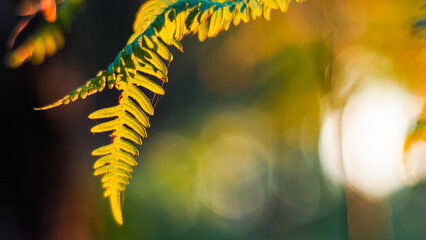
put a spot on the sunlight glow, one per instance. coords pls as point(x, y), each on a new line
point(374, 124)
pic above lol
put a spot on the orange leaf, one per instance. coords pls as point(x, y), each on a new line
point(48, 7)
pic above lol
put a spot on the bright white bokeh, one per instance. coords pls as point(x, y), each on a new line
point(369, 134)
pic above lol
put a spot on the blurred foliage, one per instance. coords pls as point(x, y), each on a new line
point(419, 26)
point(48, 38)
point(418, 134)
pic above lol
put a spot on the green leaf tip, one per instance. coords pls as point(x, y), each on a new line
point(92, 86)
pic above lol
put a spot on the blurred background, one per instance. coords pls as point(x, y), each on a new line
point(288, 129)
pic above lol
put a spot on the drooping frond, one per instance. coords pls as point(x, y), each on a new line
point(141, 64)
point(47, 40)
point(128, 125)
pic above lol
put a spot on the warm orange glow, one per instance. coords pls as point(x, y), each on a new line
point(48, 7)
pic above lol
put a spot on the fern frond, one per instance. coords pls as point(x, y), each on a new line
point(45, 41)
point(158, 23)
point(92, 86)
point(147, 14)
point(128, 125)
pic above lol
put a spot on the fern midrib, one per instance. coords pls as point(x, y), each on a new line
point(115, 195)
